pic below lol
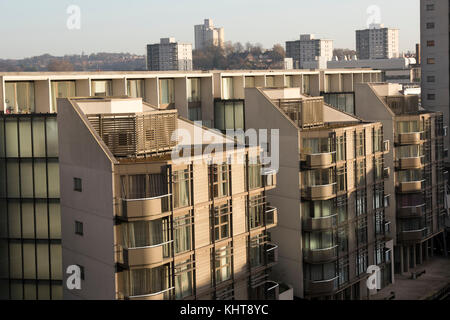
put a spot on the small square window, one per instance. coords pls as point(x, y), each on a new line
point(431, 79)
point(430, 7)
point(431, 96)
point(430, 43)
point(79, 228)
point(430, 25)
point(77, 185)
point(431, 61)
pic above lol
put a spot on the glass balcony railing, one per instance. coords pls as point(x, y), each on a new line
point(143, 256)
point(318, 287)
point(322, 223)
point(271, 216)
point(321, 160)
point(321, 255)
point(320, 192)
point(412, 211)
point(271, 253)
point(410, 138)
point(410, 186)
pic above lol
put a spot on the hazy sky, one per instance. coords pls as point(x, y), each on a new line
point(30, 27)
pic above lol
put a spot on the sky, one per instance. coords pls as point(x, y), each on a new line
point(29, 27)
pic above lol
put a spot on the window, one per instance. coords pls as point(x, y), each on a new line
point(430, 25)
point(359, 145)
point(221, 222)
point(254, 176)
point(361, 203)
point(256, 211)
point(362, 262)
point(222, 264)
point(77, 184)
point(378, 168)
point(219, 177)
point(136, 88)
point(194, 89)
point(166, 92)
point(341, 175)
point(431, 61)
point(341, 148)
point(139, 234)
point(430, 7)
point(431, 96)
point(101, 88)
point(19, 97)
point(431, 79)
point(149, 281)
point(142, 186)
point(182, 233)
point(62, 89)
point(79, 228)
point(182, 188)
point(229, 115)
point(377, 140)
point(430, 43)
point(361, 231)
point(360, 172)
point(227, 88)
point(184, 279)
point(257, 250)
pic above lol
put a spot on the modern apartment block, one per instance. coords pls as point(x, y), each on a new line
point(434, 39)
point(30, 241)
point(310, 53)
point(206, 35)
point(162, 228)
point(169, 55)
point(377, 42)
point(417, 165)
point(331, 189)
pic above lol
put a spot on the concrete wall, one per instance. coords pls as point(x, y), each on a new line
point(82, 157)
point(260, 113)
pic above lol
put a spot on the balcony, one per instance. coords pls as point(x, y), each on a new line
point(321, 160)
point(411, 163)
point(321, 287)
point(270, 178)
point(323, 223)
point(161, 295)
point(412, 212)
point(321, 255)
point(145, 208)
point(413, 235)
point(272, 254)
point(145, 256)
point(272, 290)
point(271, 217)
point(410, 186)
point(388, 229)
point(409, 138)
point(321, 192)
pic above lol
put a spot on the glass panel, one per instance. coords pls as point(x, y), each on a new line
point(53, 179)
point(61, 89)
point(55, 220)
point(239, 115)
point(229, 116)
point(41, 220)
point(19, 97)
point(28, 220)
point(25, 138)
point(101, 88)
point(13, 188)
point(29, 262)
point(11, 135)
point(56, 261)
point(166, 91)
point(26, 179)
point(43, 261)
point(15, 261)
point(40, 179)
point(219, 115)
point(194, 87)
point(14, 219)
point(38, 137)
point(52, 137)
point(136, 88)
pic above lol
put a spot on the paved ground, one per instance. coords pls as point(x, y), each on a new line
point(437, 277)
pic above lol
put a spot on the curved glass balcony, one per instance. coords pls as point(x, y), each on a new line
point(144, 208)
point(322, 223)
point(321, 255)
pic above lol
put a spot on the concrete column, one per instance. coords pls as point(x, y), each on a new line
point(444, 241)
point(425, 250)
point(413, 249)
point(402, 260)
point(420, 260)
point(407, 259)
point(431, 247)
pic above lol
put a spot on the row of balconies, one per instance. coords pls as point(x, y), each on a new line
point(411, 186)
point(410, 138)
point(411, 163)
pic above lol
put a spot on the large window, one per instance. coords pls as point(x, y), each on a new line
point(223, 264)
point(183, 233)
point(256, 211)
point(101, 88)
point(149, 281)
point(362, 262)
point(341, 148)
point(141, 234)
point(229, 115)
point(257, 250)
point(318, 209)
point(61, 89)
point(19, 97)
point(360, 173)
point(166, 92)
point(227, 88)
point(316, 145)
point(377, 140)
point(319, 240)
point(360, 144)
point(136, 88)
point(409, 126)
point(361, 231)
point(219, 177)
point(254, 176)
point(143, 186)
point(361, 202)
point(194, 89)
point(342, 101)
point(184, 279)
point(182, 188)
point(221, 222)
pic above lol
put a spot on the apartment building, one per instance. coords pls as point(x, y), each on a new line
point(434, 43)
point(206, 35)
point(417, 165)
point(169, 55)
point(30, 240)
point(163, 228)
point(310, 53)
point(377, 42)
point(332, 190)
